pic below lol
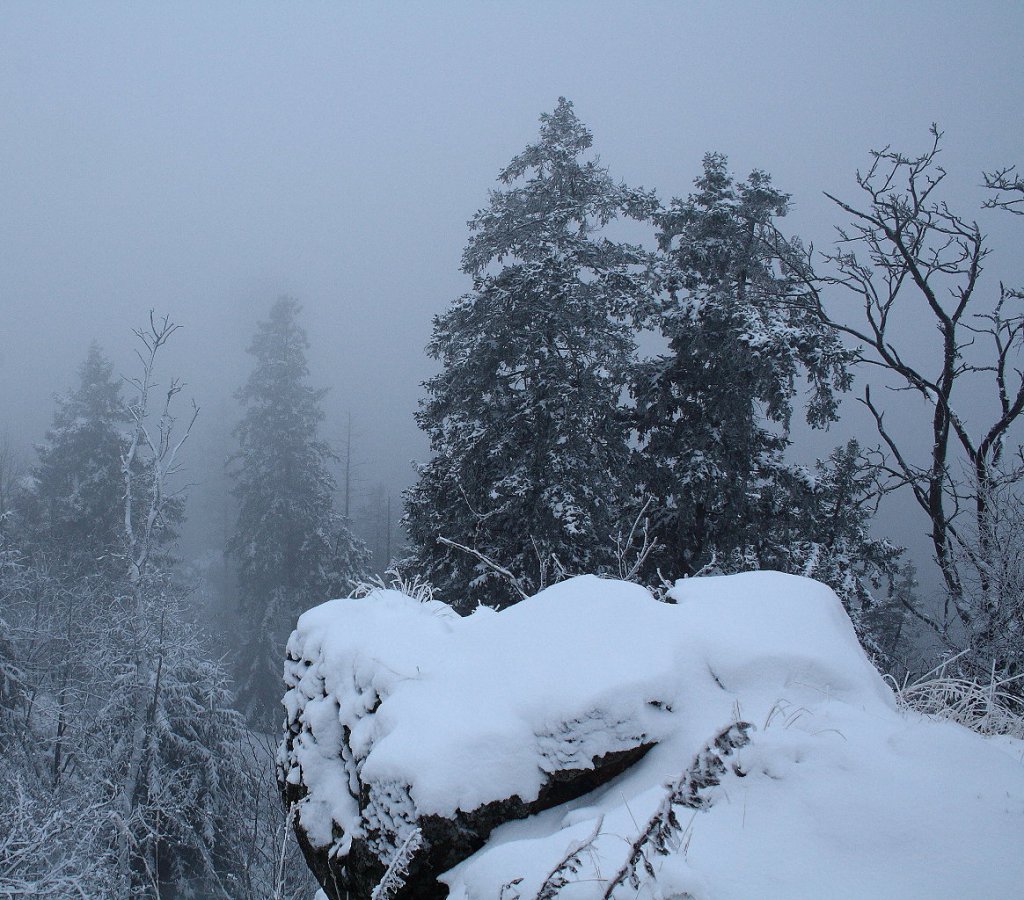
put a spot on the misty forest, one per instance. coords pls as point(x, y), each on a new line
point(702, 576)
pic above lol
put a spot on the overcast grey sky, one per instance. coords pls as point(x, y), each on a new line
point(204, 158)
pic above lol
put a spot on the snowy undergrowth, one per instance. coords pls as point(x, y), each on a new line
point(836, 790)
point(988, 708)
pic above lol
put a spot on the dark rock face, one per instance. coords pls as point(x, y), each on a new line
point(447, 841)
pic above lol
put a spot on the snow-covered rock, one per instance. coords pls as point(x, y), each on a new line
point(402, 715)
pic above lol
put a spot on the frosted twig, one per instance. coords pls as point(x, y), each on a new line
point(568, 865)
point(288, 825)
point(398, 868)
point(487, 561)
point(687, 791)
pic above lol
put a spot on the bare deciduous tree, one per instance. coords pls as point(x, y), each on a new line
point(144, 633)
point(907, 257)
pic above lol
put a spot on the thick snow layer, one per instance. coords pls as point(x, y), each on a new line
point(838, 794)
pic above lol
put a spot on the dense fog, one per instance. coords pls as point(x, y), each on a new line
point(205, 161)
point(500, 295)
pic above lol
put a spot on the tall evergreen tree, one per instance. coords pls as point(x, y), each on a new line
point(529, 448)
point(74, 510)
point(77, 497)
point(292, 549)
point(713, 413)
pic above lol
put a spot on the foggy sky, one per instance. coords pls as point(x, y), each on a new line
point(203, 159)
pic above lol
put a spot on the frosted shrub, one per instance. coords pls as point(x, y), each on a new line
point(990, 708)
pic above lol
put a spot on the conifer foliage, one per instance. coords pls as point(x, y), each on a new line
point(523, 419)
point(292, 549)
point(713, 413)
point(78, 478)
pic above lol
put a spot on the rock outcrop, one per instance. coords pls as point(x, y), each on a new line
point(446, 840)
point(755, 751)
point(403, 716)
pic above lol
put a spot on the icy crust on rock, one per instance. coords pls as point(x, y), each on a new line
point(343, 659)
point(399, 709)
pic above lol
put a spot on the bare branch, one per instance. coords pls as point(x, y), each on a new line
point(623, 546)
point(1009, 188)
point(489, 563)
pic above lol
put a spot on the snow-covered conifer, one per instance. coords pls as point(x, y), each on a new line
point(713, 413)
point(819, 526)
point(524, 419)
point(184, 828)
point(292, 549)
point(77, 482)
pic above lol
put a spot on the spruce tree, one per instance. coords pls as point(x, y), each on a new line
point(529, 447)
point(76, 502)
point(713, 412)
point(816, 523)
point(291, 548)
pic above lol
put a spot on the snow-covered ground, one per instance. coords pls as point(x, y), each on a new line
point(837, 793)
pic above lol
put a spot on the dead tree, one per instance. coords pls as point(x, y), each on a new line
point(907, 257)
point(148, 462)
